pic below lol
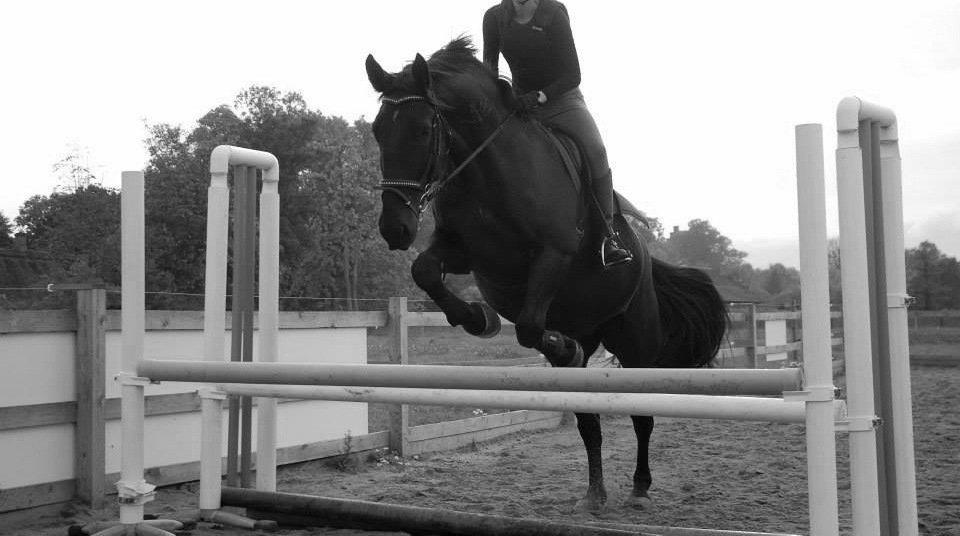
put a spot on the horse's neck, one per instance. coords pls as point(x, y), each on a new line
point(506, 170)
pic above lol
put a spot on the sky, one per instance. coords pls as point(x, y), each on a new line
point(696, 100)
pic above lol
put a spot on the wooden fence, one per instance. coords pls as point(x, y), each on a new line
point(748, 346)
point(90, 409)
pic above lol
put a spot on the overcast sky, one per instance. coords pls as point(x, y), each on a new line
point(696, 100)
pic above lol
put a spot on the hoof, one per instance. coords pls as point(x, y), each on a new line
point(590, 505)
point(577, 360)
point(491, 321)
point(561, 351)
point(639, 502)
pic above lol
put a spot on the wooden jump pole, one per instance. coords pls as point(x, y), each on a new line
point(308, 510)
point(676, 381)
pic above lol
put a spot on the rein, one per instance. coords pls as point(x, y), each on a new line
point(431, 188)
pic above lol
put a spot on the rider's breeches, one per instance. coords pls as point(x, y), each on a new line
point(568, 113)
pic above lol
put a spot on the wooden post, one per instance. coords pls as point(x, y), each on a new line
point(399, 354)
point(91, 384)
point(752, 350)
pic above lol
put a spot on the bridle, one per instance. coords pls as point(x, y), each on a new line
point(432, 180)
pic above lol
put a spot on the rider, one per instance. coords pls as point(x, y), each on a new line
point(535, 38)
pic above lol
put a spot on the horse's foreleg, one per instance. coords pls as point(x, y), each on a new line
point(428, 269)
point(547, 272)
point(596, 497)
point(643, 426)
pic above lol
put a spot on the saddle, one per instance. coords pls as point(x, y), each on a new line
point(573, 156)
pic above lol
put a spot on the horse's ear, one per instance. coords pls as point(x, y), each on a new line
point(421, 73)
point(379, 79)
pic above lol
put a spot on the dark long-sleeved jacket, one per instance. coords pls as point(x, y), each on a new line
point(541, 53)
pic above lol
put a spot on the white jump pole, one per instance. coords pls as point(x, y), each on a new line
point(817, 350)
point(214, 316)
point(735, 408)
point(676, 381)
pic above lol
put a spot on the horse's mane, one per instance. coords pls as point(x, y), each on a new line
point(460, 81)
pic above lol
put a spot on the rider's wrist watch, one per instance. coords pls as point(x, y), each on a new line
point(541, 97)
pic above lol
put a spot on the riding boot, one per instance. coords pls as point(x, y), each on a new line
point(611, 252)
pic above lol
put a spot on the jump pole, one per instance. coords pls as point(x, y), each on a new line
point(308, 510)
point(734, 408)
point(676, 381)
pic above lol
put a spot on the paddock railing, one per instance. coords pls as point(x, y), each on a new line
point(79, 407)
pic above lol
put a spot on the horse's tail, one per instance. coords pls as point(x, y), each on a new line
point(692, 313)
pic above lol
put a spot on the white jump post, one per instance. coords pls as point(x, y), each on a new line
point(214, 327)
point(875, 319)
point(133, 491)
point(817, 351)
point(883, 480)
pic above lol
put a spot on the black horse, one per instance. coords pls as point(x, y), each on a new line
point(512, 215)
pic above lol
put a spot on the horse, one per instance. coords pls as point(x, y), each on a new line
point(511, 214)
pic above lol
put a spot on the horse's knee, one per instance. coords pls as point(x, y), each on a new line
point(528, 335)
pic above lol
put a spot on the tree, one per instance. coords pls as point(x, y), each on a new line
point(702, 246)
point(80, 230)
point(6, 232)
point(932, 277)
point(74, 171)
point(833, 271)
point(329, 245)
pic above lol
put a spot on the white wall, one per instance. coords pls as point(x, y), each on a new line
point(39, 369)
point(36, 368)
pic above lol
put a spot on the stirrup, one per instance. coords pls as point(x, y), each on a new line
point(611, 241)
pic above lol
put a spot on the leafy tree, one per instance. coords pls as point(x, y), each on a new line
point(329, 245)
point(702, 246)
point(932, 277)
point(346, 247)
point(6, 232)
point(833, 271)
point(80, 230)
point(777, 279)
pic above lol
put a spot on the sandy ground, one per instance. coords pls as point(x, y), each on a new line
point(727, 475)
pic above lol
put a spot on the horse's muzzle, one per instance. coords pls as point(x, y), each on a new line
point(397, 236)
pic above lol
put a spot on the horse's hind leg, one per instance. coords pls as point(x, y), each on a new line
point(643, 426)
point(596, 497)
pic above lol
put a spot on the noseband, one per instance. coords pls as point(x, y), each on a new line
point(431, 182)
